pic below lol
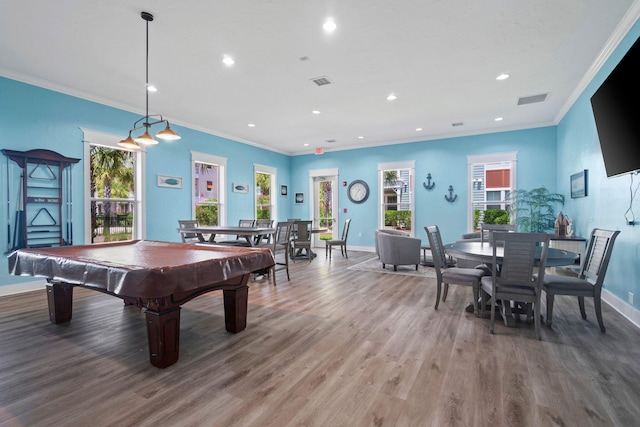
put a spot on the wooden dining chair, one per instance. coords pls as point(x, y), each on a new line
point(516, 281)
point(486, 230)
point(302, 239)
point(242, 240)
point(342, 242)
point(190, 237)
point(280, 246)
point(590, 278)
point(451, 275)
point(263, 223)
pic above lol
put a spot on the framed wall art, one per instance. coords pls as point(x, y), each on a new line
point(169, 181)
point(579, 184)
point(240, 188)
point(299, 198)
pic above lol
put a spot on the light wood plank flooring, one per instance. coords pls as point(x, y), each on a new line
point(332, 347)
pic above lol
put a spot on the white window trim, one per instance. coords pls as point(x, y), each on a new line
point(93, 137)
point(258, 168)
point(510, 156)
point(197, 157)
point(408, 164)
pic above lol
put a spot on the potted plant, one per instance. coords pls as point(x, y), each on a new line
point(533, 210)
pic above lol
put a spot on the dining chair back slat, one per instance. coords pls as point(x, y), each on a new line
point(447, 274)
point(302, 239)
point(524, 255)
point(329, 244)
point(590, 278)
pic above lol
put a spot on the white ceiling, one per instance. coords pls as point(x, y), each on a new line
point(440, 57)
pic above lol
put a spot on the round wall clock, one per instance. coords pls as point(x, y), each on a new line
point(358, 191)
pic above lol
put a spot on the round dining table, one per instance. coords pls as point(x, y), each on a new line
point(482, 252)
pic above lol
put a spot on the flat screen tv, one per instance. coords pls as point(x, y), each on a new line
point(616, 106)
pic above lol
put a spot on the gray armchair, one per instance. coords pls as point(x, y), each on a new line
point(397, 249)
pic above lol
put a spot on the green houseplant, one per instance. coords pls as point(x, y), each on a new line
point(533, 210)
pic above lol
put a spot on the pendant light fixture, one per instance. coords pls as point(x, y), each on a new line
point(144, 122)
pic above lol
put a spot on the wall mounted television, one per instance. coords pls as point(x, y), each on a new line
point(615, 109)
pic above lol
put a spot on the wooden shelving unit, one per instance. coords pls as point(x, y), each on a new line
point(42, 216)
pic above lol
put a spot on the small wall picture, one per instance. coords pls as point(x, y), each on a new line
point(283, 190)
point(240, 188)
point(169, 181)
point(579, 184)
point(299, 197)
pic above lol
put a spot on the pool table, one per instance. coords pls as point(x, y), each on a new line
point(156, 276)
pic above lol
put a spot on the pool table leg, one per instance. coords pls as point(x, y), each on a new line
point(163, 333)
point(60, 301)
point(235, 307)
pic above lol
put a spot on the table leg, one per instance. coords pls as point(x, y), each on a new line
point(163, 333)
point(60, 301)
point(235, 307)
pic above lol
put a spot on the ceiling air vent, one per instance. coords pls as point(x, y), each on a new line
point(457, 124)
point(330, 140)
point(532, 99)
point(321, 81)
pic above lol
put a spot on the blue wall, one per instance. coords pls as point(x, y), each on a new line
point(446, 160)
point(32, 117)
point(609, 198)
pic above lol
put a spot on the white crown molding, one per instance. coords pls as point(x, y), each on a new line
point(619, 33)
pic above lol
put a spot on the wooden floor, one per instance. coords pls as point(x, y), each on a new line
point(332, 347)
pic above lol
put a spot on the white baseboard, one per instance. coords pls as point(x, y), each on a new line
point(361, 248)
point(621, 307)
point(22, 287)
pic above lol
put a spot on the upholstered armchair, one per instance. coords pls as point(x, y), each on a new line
point(397, 249)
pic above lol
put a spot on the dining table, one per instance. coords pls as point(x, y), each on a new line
point(250, 234)
point(482, 253)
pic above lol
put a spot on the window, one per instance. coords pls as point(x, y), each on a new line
point(491, 180)
point(114, 183)
point(396, 195)
point(208, 188)
point(265, 182)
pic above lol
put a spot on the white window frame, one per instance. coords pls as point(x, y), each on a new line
point(273, 172)
point(488, 160)
point(328, 173)
point(92, 137)
point(221, 162)
point(408, 164)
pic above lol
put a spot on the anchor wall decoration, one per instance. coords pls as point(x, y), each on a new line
point(429, 185)
point(451, 197)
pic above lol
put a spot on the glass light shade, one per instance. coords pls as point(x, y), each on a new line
point(146, 138)
point(129, 143)
point(167, 134)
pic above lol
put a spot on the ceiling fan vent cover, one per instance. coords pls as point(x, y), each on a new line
point(321, 81)
point(532, 99)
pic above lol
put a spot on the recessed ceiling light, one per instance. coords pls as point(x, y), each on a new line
point(306, 145)
point(228, 60)
point(418, 129)
point(251, 125)
point(498, 119)
point(391, 97)
point(361, 137)
point(151, 88)
point(316, 112)
point(502, 76)
point(329, 25)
